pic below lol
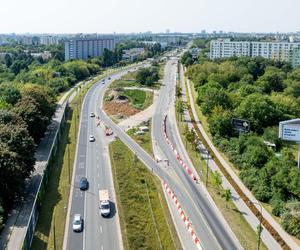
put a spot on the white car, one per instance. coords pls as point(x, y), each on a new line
point(77, 223)
point(92, 138)
point(92, 114)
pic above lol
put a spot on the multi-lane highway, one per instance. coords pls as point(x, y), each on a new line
point(206, 222)
point(92, 161)
point(212, 232)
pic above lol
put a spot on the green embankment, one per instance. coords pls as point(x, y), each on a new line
point(144, 217)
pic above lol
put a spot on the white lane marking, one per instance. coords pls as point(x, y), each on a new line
point(98, 175)
point(100, 229)
point(101, 247)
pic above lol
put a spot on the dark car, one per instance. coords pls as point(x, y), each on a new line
point(84, 184)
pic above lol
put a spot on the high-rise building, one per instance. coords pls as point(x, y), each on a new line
point(295, 57)
point(49, 40)
point(280, 51)
point(84, 48)
point(225, 48)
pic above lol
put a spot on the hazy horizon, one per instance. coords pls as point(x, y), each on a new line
point(136, 16)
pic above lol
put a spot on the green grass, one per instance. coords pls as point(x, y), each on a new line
point(200, 115)
point(144, 217)
point(55, 204)
point(144, 140)
point(137, 97)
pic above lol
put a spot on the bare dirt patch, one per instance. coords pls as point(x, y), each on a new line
point(121, 109)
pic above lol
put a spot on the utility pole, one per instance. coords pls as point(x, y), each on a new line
point(76, 121)
point(54, 237)
point(259, 229)
point(206, 182)
point(68, 145)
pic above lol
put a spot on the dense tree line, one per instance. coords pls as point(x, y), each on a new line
point(148, 76)
point(28, 93)
point(262, 92)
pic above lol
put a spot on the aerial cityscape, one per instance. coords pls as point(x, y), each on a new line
point(150, 125)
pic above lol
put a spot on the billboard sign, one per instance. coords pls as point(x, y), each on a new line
point(290, 132)
point(240, 125)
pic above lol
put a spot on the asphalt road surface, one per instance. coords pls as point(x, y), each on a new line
point(205, 220)
point(92, 161)
point(210, 231)
point(100, 233)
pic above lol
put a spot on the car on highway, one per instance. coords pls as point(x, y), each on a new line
point(83, 184)
point(92, 138)
point(92, 114)
point(77, 223)
point(109, 78)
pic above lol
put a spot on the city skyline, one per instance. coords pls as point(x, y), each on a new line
point(129, 16)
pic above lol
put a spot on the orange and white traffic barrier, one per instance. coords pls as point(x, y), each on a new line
point(188, 170)
point(183, 216)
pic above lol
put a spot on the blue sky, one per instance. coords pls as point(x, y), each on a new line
point(86, 16)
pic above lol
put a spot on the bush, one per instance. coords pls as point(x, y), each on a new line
point(147, 76)
point(291, 218)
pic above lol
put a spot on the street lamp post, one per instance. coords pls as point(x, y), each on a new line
point(260, 222)
point(206, 182)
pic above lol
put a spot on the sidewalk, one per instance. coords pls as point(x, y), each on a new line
point(241, 205)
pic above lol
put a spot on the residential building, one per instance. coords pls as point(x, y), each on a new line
point(225, 48)
point(295, 57)
point(132, 54)
point(46, 55)
point(280, 51)
point(84, 48)
point(49, 40)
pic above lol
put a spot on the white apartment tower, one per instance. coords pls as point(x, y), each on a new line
point(85, 48)
point(281, 51)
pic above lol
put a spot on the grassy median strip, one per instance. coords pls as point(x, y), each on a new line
point(144, 140)
point(144, 217)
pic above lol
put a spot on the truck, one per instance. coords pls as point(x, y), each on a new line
point(104, 204)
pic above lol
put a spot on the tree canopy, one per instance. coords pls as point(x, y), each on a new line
point(262, 92)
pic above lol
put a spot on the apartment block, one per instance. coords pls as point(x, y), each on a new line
point(49, 40)
point(84, 48)
point(280, 51)
point(132, 54)
point(295, 57)
point(226, 48)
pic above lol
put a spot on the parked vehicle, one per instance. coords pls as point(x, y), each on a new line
point(104, 203)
